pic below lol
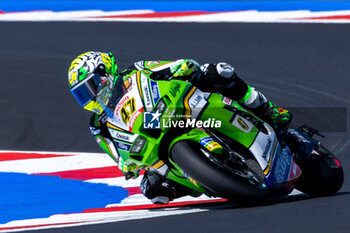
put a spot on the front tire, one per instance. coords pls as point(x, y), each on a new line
point(194, 163)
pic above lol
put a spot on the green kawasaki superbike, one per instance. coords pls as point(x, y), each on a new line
point(212, 145)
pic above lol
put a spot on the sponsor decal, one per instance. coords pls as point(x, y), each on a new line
point(123, 136)
point(197, 102)
point(212, 146)
point(281, 170)
point(242, 124)
point(282, 166)
point(174, 89)
point(133, 118)
point(155, 91)
point(127, 83)
point(204, 141)
point(196, 99)
point(120, 104)
point(264, 149)
point(123, 146)
point(127, 110)
point(149, 63)
point(209, 143)
point(299, 136)
point(226, 100)
point(267, 148)
point(146, 94)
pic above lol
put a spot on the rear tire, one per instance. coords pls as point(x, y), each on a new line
point(322, 175)
point(194, 163)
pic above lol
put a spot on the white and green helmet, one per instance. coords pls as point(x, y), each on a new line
point(90, 79)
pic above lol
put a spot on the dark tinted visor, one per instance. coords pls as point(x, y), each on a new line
point(87, 90)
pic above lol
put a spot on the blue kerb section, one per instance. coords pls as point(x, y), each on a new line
point(32, 196)
point(166, 6)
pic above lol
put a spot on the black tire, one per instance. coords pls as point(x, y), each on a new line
point(322, 175)
point(190, 159)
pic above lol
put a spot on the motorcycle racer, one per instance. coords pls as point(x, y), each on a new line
point(94, 79)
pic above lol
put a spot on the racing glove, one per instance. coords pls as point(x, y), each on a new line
point(130, 171)
point(265, 109)
point(272, 114)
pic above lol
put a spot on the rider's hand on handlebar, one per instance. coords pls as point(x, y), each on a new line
point(131, 171)
point(132, 174)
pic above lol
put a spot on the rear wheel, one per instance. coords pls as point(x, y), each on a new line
point(322, 174)
point(235, 180)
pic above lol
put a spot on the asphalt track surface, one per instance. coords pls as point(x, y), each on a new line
point(295, 65)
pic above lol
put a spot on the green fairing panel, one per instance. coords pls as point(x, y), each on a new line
point(228, 118)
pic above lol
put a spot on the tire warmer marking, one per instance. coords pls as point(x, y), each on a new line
point(186, 99)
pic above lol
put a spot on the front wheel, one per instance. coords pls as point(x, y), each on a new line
point(215, 177)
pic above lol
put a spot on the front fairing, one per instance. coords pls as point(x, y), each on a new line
point(125, 121)
point(284, 172)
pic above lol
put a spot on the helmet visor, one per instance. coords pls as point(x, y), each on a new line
point(87, 90)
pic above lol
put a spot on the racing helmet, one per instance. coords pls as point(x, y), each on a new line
point(91, 78)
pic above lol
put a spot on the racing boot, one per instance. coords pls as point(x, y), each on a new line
point(161, 190)
point(255, 101)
